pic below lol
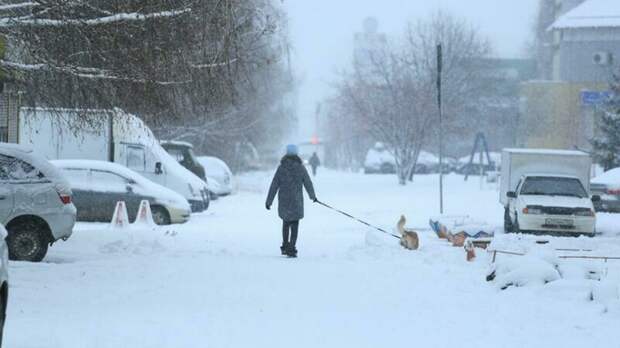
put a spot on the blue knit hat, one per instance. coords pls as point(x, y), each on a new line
point(291, 149)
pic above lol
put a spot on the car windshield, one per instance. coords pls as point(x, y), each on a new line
point(553, 186)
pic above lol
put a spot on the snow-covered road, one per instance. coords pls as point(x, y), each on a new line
point(219, 280)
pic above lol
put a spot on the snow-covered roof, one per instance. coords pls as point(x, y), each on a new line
point(15, 147)
point(215, 167)
point(152, 188)
point(177, 143)
point(591, 14)
point(37, 161)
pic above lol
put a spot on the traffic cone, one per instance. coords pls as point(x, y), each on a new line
point(144, 216)
point(120, 219)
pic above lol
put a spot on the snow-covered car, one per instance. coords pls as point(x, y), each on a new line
point(35, 203)
point(550, 203)
point(4, 279)
point(379, 161)
point(125, 140)
point(98, 185)
point(218, 174)
point(607, 186)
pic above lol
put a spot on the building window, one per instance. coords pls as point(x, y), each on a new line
point(4, 134)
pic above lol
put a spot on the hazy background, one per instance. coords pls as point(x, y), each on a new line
point(322, 35)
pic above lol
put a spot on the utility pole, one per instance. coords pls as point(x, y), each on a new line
point(439, 69)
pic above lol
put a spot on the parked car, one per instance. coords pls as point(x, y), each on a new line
point(219, 175)
point(183, 152)
point(35, 203)
point(607, 186)
point(4, 280)
point(109, 135)
point(98, 185)
point(379, 161)
point(547, 191)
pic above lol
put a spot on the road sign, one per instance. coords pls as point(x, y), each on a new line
point(594, 98)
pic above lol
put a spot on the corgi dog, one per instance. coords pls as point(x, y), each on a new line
point(471, 250)
point(409, 238)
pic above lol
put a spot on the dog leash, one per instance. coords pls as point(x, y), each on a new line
point(356, 219)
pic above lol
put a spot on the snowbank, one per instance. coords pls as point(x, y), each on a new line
point(610, 177)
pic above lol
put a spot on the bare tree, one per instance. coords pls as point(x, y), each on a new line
point(393, 94)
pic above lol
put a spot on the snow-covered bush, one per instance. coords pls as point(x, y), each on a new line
point(538, 266)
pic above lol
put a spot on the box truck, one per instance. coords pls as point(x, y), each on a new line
point(108, 135)
point(547, 191)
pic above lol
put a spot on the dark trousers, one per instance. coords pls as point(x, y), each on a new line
point(290, 229)
point(314, 168)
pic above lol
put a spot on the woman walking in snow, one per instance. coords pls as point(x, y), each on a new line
point(288, 181)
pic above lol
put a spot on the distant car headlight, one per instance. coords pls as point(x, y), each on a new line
point(532, 210)
point(585, 212)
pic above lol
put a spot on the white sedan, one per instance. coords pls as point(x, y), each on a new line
point(219, 176)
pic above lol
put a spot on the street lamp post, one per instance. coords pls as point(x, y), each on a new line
point(439, 69)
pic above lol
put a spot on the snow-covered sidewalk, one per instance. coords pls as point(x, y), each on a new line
point(219, 280)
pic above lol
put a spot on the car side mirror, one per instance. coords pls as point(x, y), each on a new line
point(158, 169)
point(511, 194)
point(596, 198)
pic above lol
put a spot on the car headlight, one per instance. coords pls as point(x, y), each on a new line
point(531, 210)
point(585, 212)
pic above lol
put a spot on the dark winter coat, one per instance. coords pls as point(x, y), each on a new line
point(288, 181)
point(314, 161)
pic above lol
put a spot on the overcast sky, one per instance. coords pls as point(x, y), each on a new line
point(322, 34)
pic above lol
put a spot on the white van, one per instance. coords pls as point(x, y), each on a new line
point(108, 135)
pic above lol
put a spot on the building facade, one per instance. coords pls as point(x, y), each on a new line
point(559, 110)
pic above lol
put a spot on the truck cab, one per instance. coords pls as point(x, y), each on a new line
point(547, 191)
point(550, 203)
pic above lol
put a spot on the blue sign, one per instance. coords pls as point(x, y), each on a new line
point(594, 98)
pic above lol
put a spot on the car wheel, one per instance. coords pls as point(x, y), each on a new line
point(26, 241)
point(160, 215)
point(508, 227)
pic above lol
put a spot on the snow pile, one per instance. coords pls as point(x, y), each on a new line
point(375, 239)
point(607, 294)
point(610, 177)
point(539, 266)
point(137, 241)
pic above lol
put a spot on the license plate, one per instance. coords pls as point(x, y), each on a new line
point(559, 222)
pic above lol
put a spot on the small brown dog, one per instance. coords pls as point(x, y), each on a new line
point(409, 238)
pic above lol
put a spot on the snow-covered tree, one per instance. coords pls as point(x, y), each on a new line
point(200, 64)
point(606, 145)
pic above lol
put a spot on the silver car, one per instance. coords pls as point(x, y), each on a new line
point(35, 203)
